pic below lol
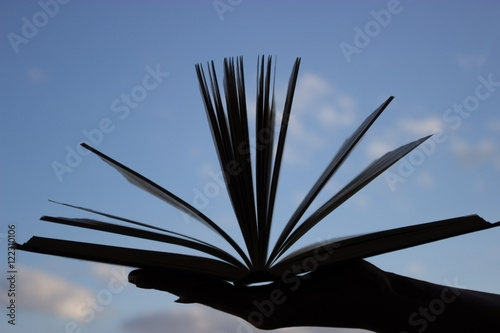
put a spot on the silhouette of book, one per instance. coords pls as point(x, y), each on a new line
point(252, 200)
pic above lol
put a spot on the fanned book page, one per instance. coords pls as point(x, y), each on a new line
point(252, 199)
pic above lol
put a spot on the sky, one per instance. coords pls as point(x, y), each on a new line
point(120, 75)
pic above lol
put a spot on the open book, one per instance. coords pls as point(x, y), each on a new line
point(252, 194)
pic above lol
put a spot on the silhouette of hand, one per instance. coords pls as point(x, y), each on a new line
point(354, 295)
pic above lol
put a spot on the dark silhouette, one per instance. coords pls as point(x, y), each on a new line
point(321, 285)
point(354, 295)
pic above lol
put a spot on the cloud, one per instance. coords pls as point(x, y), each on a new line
point(316, 102)
point(102, 270)
point(469, 153)
point(470, 61)
point(201, 319)
point(299, 131)
point(36, 75)
point(310, 87)
point(50, 294)
point(377, 148)
point(416, 268)
point(494, 125)
point(292, 155)
point(497, 162)
point(319, 98)
point(420, 127)
point(332, 116)
point(425, 179)
point(361, 200)
point(110, 272)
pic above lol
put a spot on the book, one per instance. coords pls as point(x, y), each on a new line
point(252, 194)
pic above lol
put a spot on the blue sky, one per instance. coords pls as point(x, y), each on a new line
point(67, 69)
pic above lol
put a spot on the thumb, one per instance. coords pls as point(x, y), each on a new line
point(189, 288)
point(217, 294)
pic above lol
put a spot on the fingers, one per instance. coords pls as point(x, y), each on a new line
point(148, 279)
point(293, 300)
point(217, 294)
point(189, 288)
point(336, 281)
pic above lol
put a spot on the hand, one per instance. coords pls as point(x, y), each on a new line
point(355, 295)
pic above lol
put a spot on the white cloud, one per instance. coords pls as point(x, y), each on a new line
point(479, 186)
point(416, 268)
point(377, 148)
point(497, 162)
point(494, 125)
point(425, 179)
point(421, 127)
point(50, 294)
point(301, 133)
point(331, 116)
point(291, 155)
point(470, 61)
point(346, 102)
point(361, 200)
point(102, 270)
point(201, 319)
point(110, 272)
point(309, 88)
point(36, 74)
point(469, 153)
point(316, 102)
point(318, 97)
